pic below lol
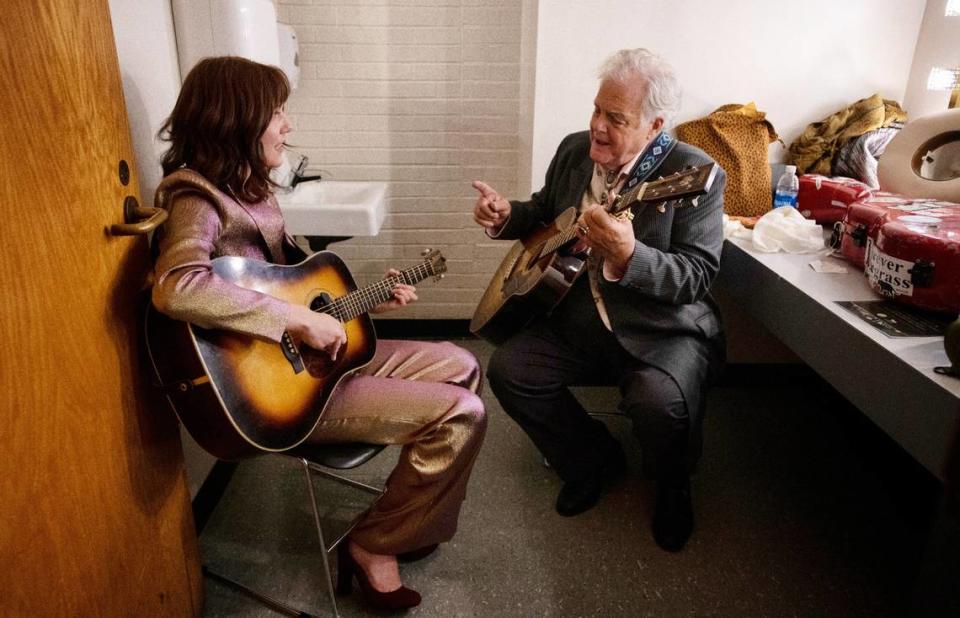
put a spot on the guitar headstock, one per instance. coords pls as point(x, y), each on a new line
point(690, 182)
point(434, 262)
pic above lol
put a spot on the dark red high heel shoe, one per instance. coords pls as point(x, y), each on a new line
point(348, 569)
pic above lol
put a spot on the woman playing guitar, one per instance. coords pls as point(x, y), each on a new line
point(226, 132)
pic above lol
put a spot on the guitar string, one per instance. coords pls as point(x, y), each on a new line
point(616, 206)
point(352, 304)
point(373, 295)
point(561, 239)
point(356, 302)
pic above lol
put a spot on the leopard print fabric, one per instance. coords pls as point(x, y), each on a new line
point(737, 137)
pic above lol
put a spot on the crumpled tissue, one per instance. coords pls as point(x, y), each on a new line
point(734, 229)
point(785, 229)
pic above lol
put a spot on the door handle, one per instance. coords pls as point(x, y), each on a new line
point(139, 219)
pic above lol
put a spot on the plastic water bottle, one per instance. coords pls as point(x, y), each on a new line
point(787, 188)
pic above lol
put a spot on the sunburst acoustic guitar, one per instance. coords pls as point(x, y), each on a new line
point(539, 269)
point(239, 396)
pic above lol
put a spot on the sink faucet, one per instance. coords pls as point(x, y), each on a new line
point(299, 174)
point(297, 179)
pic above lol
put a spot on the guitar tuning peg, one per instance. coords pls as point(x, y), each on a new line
point(659, 177)
point(695, 201)
point(425, 252)
point(662, 207)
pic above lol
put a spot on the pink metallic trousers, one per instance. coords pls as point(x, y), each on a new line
point(424, 396)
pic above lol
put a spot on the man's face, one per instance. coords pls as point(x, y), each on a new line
point(617, 130)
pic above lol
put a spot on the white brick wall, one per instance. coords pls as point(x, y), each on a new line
point(426, 95)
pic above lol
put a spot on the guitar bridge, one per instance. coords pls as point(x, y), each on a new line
point(291, 352)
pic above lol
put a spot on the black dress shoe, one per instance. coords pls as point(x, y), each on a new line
point(673, 517)
point(582, 494)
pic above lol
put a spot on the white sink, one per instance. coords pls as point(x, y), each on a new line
point(334, 208)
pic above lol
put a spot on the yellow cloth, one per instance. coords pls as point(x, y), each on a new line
point(813, 151)
point(737, 137)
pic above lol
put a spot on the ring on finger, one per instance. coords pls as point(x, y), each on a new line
point(583, 229)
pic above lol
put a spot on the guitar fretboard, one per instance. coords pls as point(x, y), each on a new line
point(687, 183)
point(615, 207)
point(357, 302)
point(558, 241)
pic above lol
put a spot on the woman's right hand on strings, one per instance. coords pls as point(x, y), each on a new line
point(320, 331)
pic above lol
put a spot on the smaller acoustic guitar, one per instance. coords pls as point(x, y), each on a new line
point(239, 395)
point(539, 269)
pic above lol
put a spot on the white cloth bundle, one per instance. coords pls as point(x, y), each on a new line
point(785, 229)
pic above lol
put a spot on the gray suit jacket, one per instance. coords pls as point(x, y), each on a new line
point(661, 311)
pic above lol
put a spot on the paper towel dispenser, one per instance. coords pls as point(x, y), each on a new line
point(246, 28)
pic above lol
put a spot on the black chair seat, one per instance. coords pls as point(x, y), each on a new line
point(337, 456)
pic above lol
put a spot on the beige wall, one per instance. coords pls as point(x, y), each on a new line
point(799, 61)
point(147, 53)
point(938, 45)
point(430, 94)
point(426, 96)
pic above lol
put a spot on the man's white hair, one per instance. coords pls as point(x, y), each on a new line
point(662, 96)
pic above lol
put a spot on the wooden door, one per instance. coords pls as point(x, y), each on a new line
point(94, 510)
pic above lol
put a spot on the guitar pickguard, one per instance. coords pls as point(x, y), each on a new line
point(317, 362)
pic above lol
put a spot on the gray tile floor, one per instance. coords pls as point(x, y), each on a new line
point(802, 510)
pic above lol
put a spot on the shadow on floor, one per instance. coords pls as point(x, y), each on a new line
point(803, 509)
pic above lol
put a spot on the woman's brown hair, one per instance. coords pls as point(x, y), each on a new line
point(225, 105)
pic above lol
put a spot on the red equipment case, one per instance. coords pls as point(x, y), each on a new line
point(909, 248)
point(825, 199)
point(860, 222)
point(915, 256)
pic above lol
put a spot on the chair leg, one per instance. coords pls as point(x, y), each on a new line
point(349, 483)
point(309, 468)
point(323, 546)
point(342, 479)
point(268, 601)
point(610, 414)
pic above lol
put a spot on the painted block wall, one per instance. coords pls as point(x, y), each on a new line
point(430, 94)
point(425, 95)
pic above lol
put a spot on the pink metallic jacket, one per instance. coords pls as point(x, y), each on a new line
point(204, 224)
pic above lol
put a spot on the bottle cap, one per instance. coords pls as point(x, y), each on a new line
point(790, 169)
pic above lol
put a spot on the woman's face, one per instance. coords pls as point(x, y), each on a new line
point(273, 138)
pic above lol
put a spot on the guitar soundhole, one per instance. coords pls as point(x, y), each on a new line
point(533, 258)
point(321, 301)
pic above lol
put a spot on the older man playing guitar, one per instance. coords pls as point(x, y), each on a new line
point(641, 318)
